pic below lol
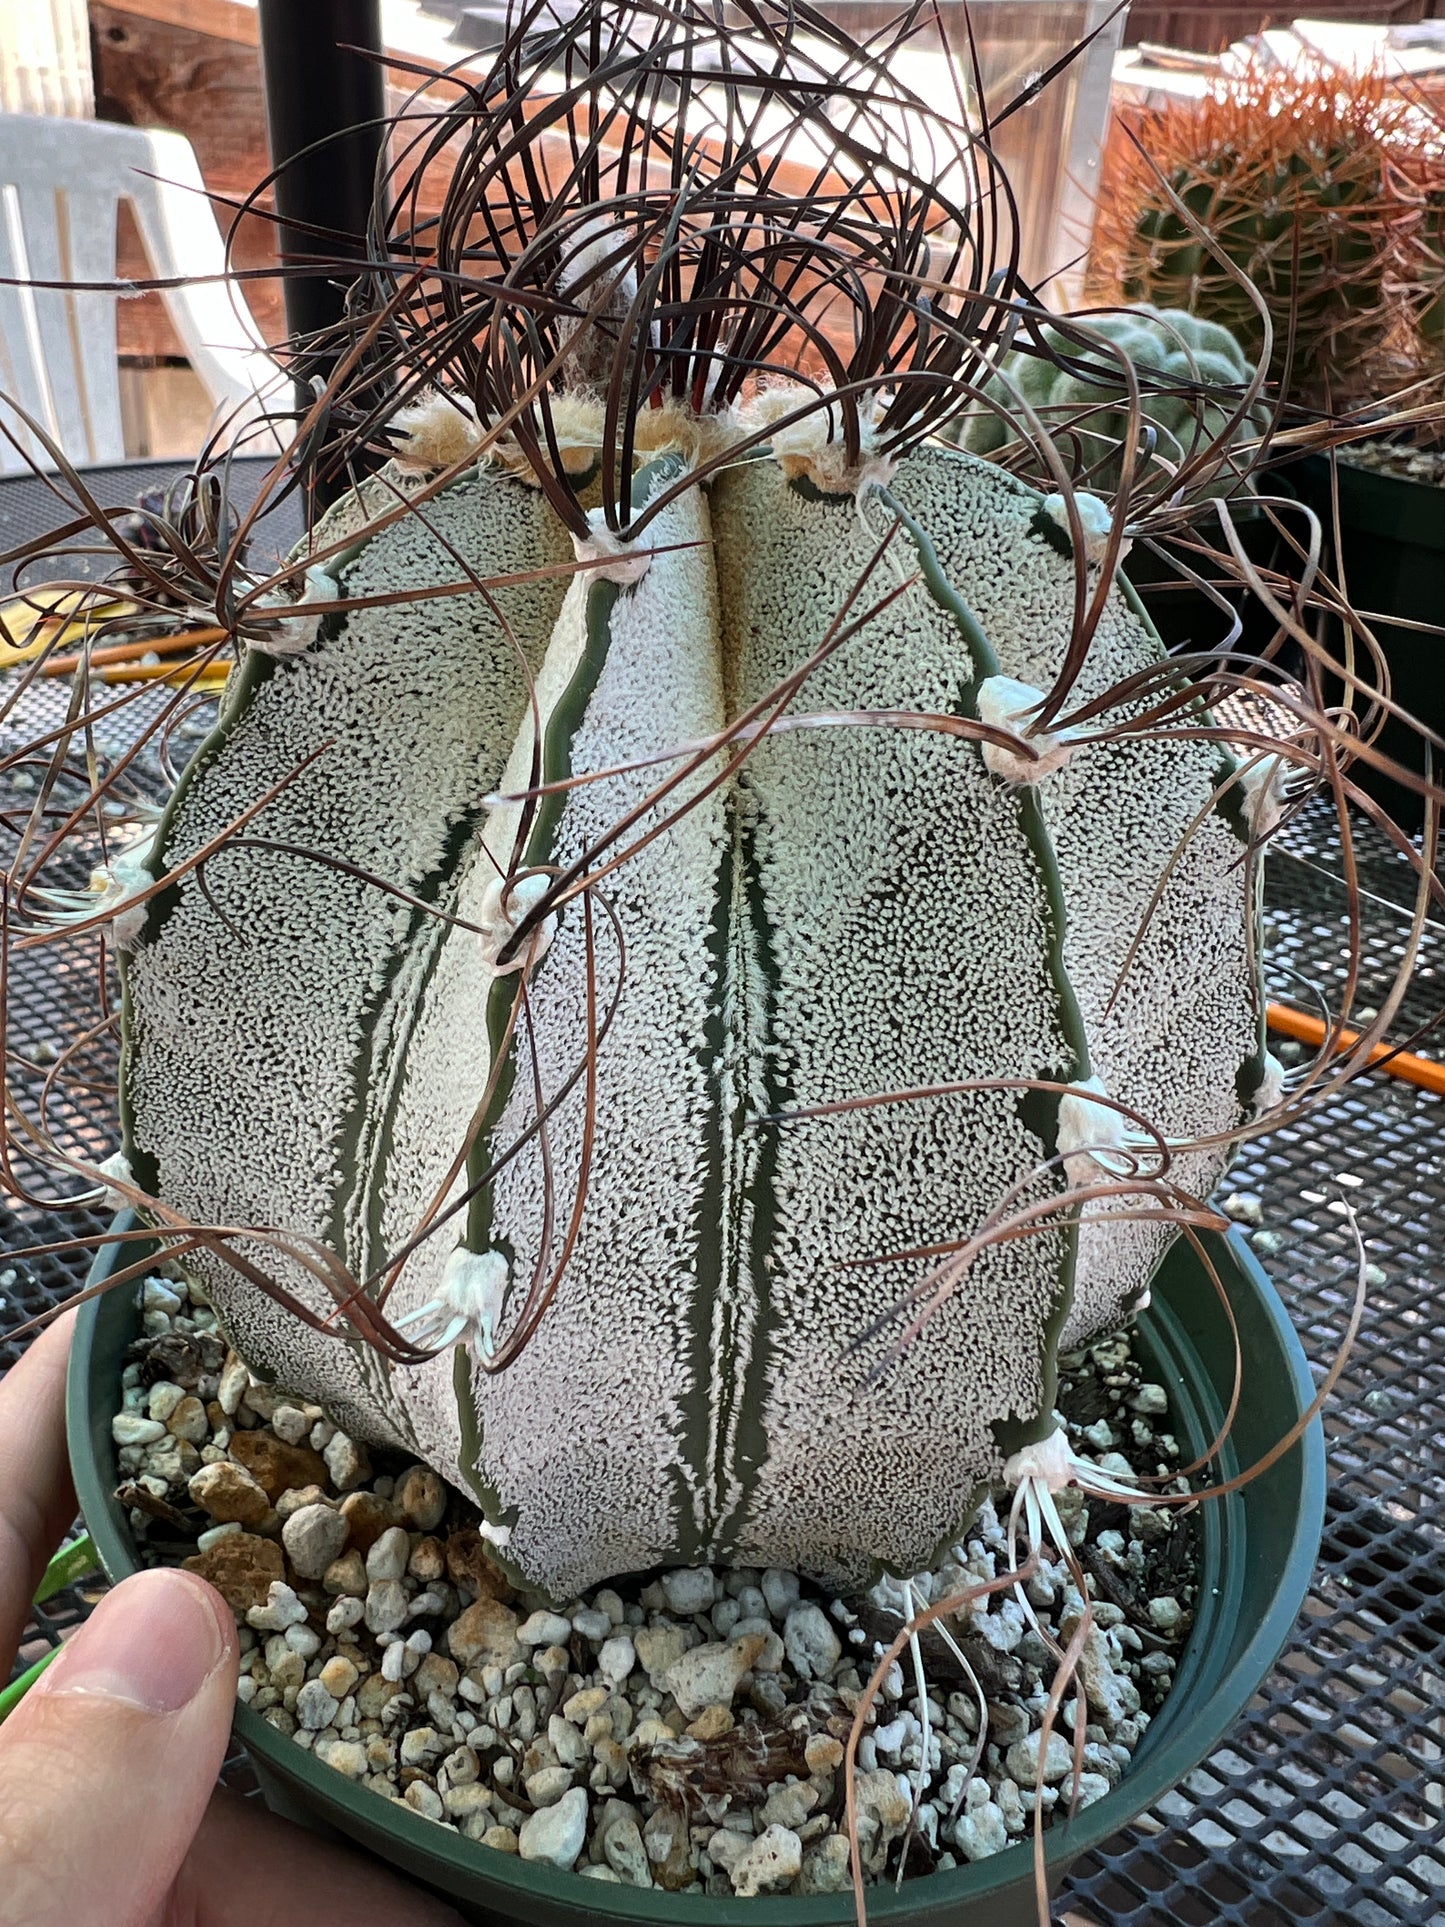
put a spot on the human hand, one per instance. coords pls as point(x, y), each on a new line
point(109, 1814)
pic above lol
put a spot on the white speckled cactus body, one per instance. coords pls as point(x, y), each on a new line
point(1168, 348)
point(856, 911)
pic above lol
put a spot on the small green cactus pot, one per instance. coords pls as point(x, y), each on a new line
point(1392, 554)
point(1258, 1549)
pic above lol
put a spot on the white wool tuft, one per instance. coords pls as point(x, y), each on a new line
point(294, 633)
point(117, 1165)
point(1050, 1461)
point(1092, 1137)
point(811, 449)
point(503, 908)
point(467, 1307)
point(1003, 703)
point(437, 432)
point(1053, 1464)
point(118, 883)
point(474, 1288)
point(1271, 1085)
point(1263, 785)
point(613, 559)
point(1096, 519)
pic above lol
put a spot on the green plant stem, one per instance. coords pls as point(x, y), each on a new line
point(72, 1562)
point(11, 1696)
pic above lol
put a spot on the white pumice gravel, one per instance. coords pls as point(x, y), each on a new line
point(1394, 458)
point(682, 1729)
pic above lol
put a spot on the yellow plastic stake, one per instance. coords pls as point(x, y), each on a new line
point(27, 632)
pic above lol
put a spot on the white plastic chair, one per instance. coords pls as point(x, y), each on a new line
point(60, 182)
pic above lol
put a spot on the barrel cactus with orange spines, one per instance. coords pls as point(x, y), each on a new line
point(1278, 194)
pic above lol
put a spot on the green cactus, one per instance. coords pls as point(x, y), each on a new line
point(1289, 189)
point(1430, 294)
point(1177, 359)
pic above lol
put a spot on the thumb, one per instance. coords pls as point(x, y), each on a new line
point(107, 1764)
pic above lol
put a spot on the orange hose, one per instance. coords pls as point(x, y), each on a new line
point(1410, 1069)
point(211, 677)
point(134, 649)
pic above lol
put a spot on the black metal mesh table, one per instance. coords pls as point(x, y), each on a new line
point(1328, 1803)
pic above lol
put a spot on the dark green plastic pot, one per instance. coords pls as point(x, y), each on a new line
point(1392, 552)
point(1185, 617)
point(1259, 1548)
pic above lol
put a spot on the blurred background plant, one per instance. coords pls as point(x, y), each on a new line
point(1323, 189)
point(1191, 377)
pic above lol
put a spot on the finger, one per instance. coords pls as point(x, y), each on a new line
point(249, 1869)
point(107, 1764)
point(37, 1501)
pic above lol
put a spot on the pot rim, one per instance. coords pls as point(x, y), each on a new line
point(1390, 508)
point(1181, 1736)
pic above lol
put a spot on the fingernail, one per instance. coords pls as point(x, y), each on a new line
point(152, 1643)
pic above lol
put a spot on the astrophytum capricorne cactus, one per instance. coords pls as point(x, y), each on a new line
point(858, 910)
point(644, 974)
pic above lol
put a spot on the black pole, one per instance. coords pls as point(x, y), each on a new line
point(318, 90)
